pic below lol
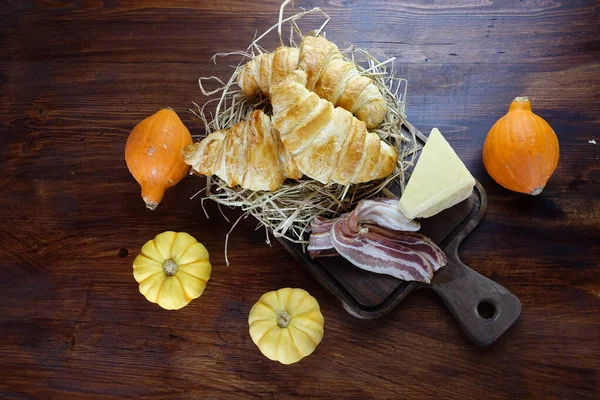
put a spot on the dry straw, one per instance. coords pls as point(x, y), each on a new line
point(288, 211)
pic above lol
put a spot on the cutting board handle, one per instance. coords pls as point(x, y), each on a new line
point(484, 309)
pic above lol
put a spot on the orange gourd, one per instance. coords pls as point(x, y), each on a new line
point(521, 150)
point(153, 154)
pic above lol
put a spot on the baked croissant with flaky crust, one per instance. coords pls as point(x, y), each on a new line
point(250, 154)
point(329, 76)
point(266, 70)
point(326, 142)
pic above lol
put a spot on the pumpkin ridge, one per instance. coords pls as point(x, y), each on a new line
point(193, 276)
point(176, 234)
point(305, 315)
point(304, 332)
point(281, 305)
point(187, 297)
point(267, 305)
point(287, 301)
point(153, 275)
point(294, 344)
point(158, 263)
point(278, 340)
point(148, 293)
point(183, 253)
point(301, 302)
point(191, 262)
point(260, 320)
point(266, 334)
point(153, 243)
point(161, 288)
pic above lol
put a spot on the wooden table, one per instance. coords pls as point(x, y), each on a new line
point(75, 79)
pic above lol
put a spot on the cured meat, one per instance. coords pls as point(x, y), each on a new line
point(320, 244)
point(321, 225)
point(385, 213)
point(405, 255)
point(416, 241)
point(376, 237)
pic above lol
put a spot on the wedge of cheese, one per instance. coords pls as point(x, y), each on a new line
point(439, 180)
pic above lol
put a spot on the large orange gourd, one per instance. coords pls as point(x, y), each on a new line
point(153, 154)
point(521, 150)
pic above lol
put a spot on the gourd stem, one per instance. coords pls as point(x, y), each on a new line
point(169, 267)
point(152, 194)
point(520, 103)
point(283, 319)
point(151, 205)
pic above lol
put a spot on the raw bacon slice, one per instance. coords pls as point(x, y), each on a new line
point(320, 241)
point(377, 253)
point(319, 244)
point(416, 241)
point(375, 238)
point(382, 212)
point(385, 213)
point(321, 225)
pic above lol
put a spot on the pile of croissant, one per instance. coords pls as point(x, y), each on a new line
point(322, 108)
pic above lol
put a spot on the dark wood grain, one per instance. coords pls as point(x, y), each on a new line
point(75, 77)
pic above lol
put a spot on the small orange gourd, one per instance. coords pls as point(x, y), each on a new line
point(153, 154)
point(521, 150)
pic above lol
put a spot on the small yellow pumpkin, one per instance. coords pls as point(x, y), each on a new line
point(172, 269)
point(286, 325)
point(521, 150)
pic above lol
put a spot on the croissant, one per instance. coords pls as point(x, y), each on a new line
point(326, 142)
point(267, 69)
point(250, 154)
point(328, 75)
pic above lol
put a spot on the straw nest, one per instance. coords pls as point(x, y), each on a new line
point(288, 211)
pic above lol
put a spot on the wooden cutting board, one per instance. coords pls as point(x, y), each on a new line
point(483, 308)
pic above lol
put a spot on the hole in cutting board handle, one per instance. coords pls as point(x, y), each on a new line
point(486, 309)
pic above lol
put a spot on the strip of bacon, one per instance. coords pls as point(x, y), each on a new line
point(377, 237)
point(321, 225)
point(319, 244)
point(320, 241)
point(416, 241)
point(382, 212)
point(385, 213)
